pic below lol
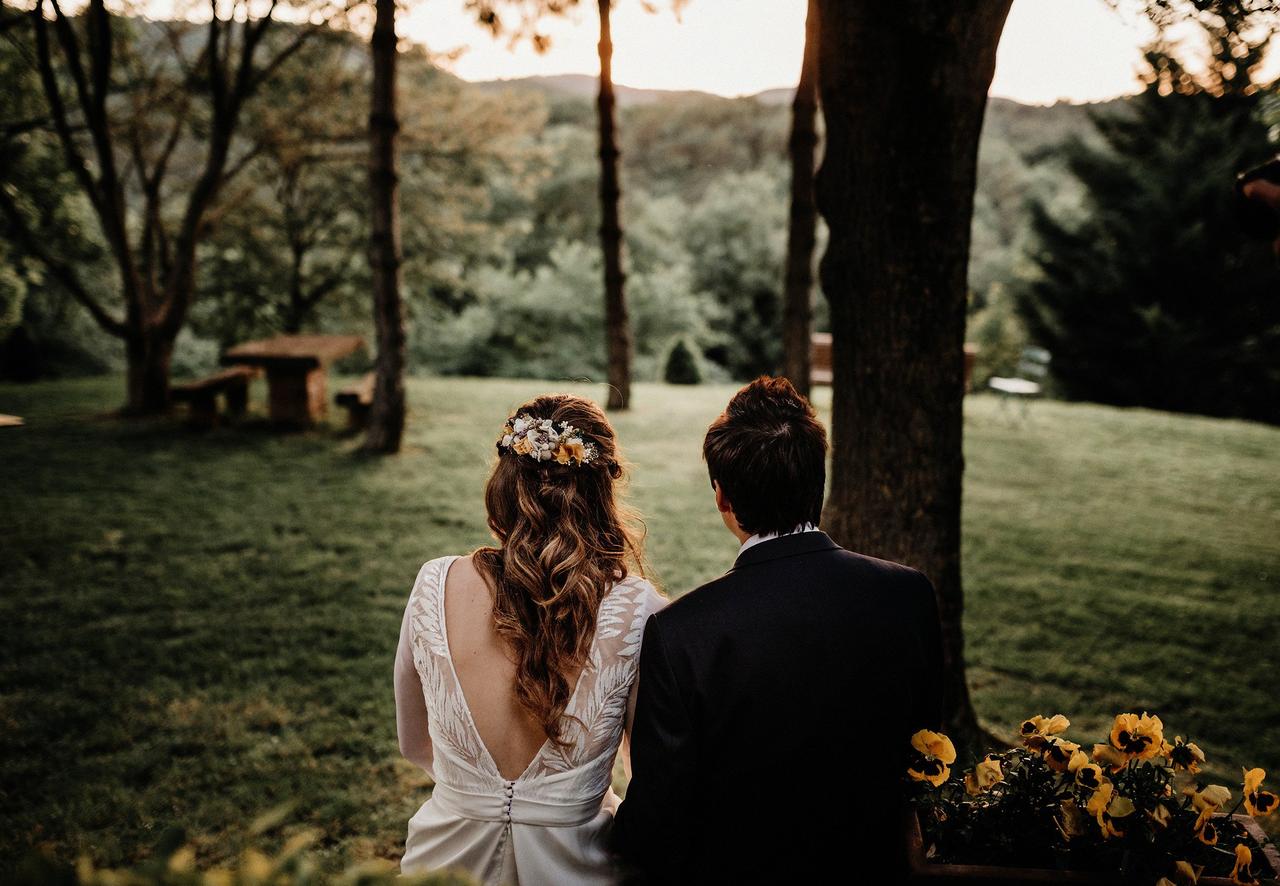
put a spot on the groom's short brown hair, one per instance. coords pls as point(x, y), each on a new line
point(768, 452)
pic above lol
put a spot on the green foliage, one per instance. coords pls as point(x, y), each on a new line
point(173, 863)
point(682, 365)
point(736, 237)
point(1153, 298)
point(549, 321)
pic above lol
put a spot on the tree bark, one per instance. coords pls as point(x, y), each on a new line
point(797, 312)
point(148, 354)
point(618, 345)
point(903, 89)
point(387, 413)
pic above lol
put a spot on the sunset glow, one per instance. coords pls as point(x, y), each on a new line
point(1078, 50)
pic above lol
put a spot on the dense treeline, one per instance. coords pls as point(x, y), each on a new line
point(499, 225)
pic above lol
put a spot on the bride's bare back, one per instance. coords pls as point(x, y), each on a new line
point(487, 673)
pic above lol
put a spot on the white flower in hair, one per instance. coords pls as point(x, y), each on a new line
point(545, 440)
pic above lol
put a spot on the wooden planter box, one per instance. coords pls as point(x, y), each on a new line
point(924, 872)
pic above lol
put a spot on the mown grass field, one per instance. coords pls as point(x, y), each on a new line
point(197, 627)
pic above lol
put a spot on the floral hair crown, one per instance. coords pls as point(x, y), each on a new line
point(542, 439)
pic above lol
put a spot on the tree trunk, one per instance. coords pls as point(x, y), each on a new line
point(616, 321)
point(148, 354)
point(386, 416)
point(797, 312)
point(903, 90)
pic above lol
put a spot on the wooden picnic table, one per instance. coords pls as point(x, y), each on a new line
point(297, 369)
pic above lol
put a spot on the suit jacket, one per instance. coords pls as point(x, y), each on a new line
point(774, 714)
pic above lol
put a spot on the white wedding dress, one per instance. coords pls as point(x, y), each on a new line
point(551, 824)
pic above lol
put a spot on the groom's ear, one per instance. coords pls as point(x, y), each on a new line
point(722, 501)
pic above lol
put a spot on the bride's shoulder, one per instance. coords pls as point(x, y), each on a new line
point(432, 573)
point(640, 593)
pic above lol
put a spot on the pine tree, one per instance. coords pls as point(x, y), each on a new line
point(1155, 298)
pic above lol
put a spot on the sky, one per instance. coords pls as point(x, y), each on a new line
point(1051, 50)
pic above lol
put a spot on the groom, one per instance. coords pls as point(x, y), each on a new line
point(776, 702)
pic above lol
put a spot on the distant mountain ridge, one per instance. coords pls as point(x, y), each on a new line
point(584, 86)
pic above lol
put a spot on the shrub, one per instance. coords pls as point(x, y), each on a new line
point(682, 365)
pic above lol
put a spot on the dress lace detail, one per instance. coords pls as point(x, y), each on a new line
point(576, 775)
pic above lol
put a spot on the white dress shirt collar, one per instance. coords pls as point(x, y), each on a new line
point(757, 538)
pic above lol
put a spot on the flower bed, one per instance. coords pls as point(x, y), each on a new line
point(1131, 810)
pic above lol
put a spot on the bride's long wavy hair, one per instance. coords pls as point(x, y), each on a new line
point(564, 539)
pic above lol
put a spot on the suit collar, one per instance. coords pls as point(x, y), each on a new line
point(784, 546)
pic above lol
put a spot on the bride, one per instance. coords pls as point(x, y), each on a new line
point(516, 671)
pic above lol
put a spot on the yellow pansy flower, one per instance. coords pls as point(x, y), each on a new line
point(1214, 795)
point(1242, 874)
point(1137, 737)
point(1109, 757)
point(1106, 806)
point(1058, 753)
point(1257, 801)
point(1184, 755)
point(983, 776)
point(1206, 830)
point(1088, 775)
point(937, 753)
point(1035, 730)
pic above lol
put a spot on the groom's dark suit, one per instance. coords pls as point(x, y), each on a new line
point(775, 707)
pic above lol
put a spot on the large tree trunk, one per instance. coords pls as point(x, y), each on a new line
point(903, 90)
point(386, 417)
point(148, 354)
point(797, 312)
point(616, 321)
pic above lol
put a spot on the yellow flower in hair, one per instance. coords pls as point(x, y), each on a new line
point(1257, 801)
point(1038, 728)
point(983, 777)
point(577, 450)
point(1184, 755)
point(522, 446)
point(936, 752)
point(1058, 753)
point(1137, 737)
point(1242, 874)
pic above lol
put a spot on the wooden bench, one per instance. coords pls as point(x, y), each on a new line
point(820, 358)
point(357, 399)
point(202, 394)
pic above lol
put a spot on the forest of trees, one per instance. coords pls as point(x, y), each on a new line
point(499, 219)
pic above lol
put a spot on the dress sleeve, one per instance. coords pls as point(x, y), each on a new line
point(411, 707)
point(652, 826)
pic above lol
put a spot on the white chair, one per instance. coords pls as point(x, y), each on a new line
point(1028, 383)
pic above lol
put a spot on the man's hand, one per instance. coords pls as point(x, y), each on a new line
point(1261, 188)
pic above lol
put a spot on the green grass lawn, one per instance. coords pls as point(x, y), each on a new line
point(197, 627)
